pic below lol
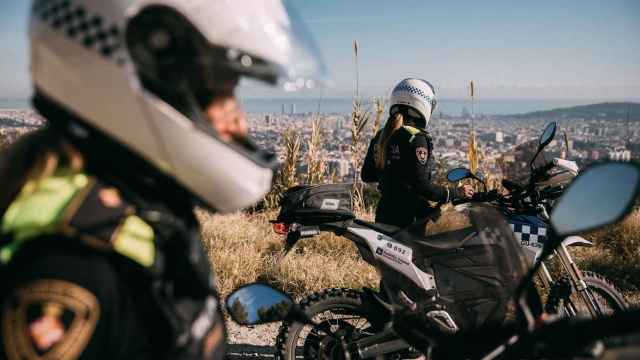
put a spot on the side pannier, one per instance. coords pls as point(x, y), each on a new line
point(316, 204)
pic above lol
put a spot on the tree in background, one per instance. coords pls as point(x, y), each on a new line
point(239, 312)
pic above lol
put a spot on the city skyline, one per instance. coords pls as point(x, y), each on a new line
point(573, 49)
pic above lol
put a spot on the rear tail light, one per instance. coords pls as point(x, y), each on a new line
point(281, 228)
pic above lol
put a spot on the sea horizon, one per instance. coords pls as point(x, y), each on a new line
point(448, 106)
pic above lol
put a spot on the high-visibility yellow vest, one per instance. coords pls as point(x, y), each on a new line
point(53, 205)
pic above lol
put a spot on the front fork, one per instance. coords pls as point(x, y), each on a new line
point(545, 276)
point(577, 280)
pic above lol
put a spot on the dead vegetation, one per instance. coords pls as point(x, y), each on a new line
point(243, 248)
point(616, 254)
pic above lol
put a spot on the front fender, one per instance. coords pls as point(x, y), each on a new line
point(576, 241)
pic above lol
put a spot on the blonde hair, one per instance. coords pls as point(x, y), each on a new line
point(54, 155)
point(393, 124)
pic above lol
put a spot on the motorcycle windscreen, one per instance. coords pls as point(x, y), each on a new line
point(476, 261)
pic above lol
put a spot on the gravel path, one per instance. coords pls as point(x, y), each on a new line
point(255, 342)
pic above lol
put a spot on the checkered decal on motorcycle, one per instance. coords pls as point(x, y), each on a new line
point(77, 23)
point(529, 232)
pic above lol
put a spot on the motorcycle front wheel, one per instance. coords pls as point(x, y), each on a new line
point(341, 318)
point(606, 296)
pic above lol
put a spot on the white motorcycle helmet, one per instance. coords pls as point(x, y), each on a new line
point(141, 72)
point(415, 98)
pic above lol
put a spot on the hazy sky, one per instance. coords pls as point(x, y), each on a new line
point(533, 49)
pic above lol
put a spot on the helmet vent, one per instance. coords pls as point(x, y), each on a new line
point(76, 23)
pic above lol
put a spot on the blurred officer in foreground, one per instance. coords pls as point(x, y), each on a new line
point(100, 250)
point(400, 158)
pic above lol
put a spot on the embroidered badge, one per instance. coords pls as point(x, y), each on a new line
point(49, 319)
point(422, 154)
point(48, 329)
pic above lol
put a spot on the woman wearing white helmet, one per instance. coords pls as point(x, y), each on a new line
point(100, 252)
point(400, 155)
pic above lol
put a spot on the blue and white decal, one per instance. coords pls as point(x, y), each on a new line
point(531, 232)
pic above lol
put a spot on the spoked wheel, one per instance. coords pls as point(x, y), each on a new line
point(605, 295)
point(322, 344)
point(340, 320)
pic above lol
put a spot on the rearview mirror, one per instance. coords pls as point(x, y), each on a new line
point(545, 138)
point(600, 196)
point(547, 135)
point(458, 174)
point(258, 304)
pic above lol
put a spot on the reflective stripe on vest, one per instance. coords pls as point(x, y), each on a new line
point(135, 241)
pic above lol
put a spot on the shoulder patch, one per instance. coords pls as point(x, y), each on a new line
point(49, 319)
point(422, 153)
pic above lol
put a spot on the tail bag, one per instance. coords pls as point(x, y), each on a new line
point(316, 204)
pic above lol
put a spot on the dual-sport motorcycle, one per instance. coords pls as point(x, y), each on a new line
point(531, 335)
point(527, 208)
point(458, 270)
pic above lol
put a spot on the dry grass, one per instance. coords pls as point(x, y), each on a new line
point(243, 248)
point(616, 254)
point(360, 116)
point(378, 104)
point(316, 164)
point(287, 175)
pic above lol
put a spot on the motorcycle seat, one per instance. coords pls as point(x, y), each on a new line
point(385, 229)
point(439, 242)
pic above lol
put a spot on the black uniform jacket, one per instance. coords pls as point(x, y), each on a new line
point(405, 182)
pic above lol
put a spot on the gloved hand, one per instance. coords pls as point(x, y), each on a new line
point(461, 193)
point(467, 191)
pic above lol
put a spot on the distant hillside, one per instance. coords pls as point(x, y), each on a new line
point(605, 111)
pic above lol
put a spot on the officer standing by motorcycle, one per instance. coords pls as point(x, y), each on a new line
point(100, 252)
point(400, 158)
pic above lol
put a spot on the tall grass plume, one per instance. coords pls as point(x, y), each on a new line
point(287, 175)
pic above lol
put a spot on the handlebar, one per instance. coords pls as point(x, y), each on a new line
point(483, 196)
point(566, 336)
